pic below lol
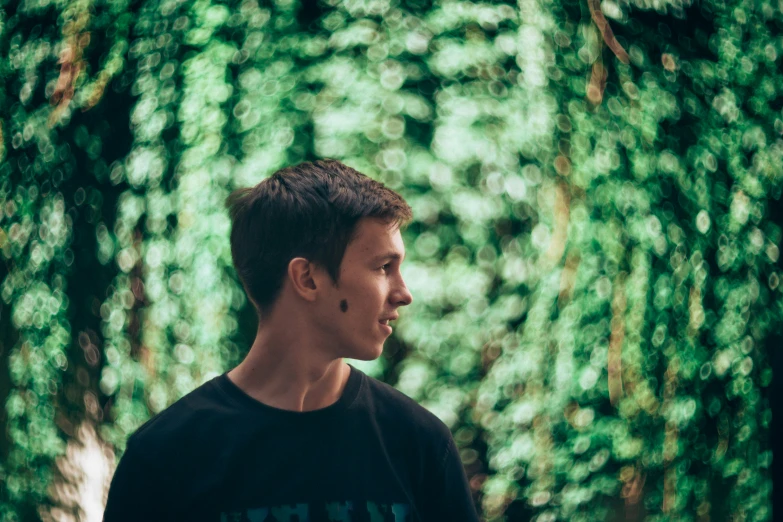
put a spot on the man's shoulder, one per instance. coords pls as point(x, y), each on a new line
point(391, 406)
point(184, 418)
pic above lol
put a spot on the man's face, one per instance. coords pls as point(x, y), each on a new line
point(370, 289)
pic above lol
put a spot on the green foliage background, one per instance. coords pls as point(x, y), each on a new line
point(595, 268)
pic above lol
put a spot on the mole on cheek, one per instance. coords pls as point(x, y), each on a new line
point(344, 305)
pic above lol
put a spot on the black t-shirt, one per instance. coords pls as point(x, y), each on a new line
point(219, 455)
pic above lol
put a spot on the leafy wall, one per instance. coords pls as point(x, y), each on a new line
point(595, 253)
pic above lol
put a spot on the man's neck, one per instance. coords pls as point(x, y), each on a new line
point(289, 380)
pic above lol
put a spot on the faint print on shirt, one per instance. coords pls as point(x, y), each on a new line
point(323, 512)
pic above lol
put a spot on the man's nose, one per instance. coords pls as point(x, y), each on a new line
point(404, 297)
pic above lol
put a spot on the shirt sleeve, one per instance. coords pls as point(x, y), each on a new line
point(134, 489)
point(451, 497)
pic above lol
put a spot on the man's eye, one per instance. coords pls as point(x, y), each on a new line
point(386, 266)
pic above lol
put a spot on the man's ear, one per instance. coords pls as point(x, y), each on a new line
point(304, 277)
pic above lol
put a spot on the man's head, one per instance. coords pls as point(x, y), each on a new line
point(310, 237)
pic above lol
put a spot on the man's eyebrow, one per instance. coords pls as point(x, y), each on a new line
point(388, 255)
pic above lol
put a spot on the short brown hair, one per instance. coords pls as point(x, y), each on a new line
point(308, 210)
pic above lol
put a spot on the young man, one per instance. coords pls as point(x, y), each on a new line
point(294, 433)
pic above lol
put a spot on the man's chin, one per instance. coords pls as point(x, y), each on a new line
point(365, 355)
